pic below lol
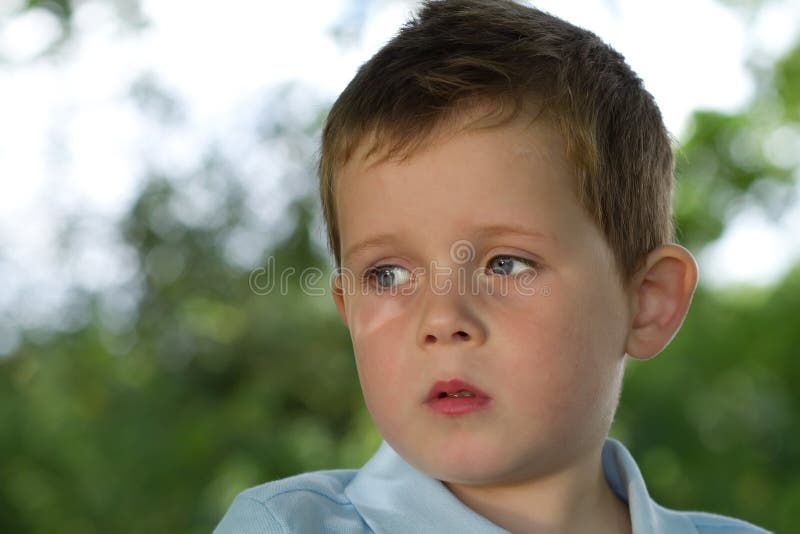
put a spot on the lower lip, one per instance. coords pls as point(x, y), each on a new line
point(457, 405)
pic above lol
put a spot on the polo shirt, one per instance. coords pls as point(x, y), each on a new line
point(387, 495)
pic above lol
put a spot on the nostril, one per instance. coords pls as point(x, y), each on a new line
point(430, 338)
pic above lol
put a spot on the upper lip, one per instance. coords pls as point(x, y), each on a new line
point(452, 386)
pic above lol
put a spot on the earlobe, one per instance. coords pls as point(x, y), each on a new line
point(663, 292)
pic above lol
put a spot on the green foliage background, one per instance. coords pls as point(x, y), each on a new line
point(153, 422)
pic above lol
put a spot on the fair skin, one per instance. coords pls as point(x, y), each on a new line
point(551, 358)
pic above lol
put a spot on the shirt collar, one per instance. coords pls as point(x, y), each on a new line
point(626, 481)
point(393, 496)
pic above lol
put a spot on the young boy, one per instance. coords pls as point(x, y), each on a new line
point(497, 186)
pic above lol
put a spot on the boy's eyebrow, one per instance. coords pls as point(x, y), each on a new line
point(505, 229)
point(481, 232)
point(373, 242)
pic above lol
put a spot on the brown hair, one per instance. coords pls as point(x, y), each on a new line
point(459, 55)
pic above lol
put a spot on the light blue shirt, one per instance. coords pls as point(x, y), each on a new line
point(388, 495)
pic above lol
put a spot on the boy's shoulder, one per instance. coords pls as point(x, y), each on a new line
point(328, 484)
point(703, 522)
point(625, 479)
point(389, 495)
point(385, 495)
point(292, 504)
point(707, 523)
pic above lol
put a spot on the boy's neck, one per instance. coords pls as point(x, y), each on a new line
point(575, 500)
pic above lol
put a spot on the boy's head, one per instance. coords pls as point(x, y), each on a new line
point(511, 61)
point(496, 184)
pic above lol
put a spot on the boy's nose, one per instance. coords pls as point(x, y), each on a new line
point(447, 319)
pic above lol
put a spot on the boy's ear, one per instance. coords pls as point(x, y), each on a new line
point(660, 296)
point(338, 295)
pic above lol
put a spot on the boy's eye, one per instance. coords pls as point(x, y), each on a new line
point(386, 276)
point(509, 265)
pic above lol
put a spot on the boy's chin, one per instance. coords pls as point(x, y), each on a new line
point(490, 462)
point(491, 473)
point(473, 463)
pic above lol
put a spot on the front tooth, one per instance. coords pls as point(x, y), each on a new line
point(461, 394)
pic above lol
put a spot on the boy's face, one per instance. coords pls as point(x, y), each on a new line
point(548, 350)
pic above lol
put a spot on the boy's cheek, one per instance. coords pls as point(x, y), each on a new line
point(385, 380)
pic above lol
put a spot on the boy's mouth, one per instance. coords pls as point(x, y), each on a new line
point(454, 388)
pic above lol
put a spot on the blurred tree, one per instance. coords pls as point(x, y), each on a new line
point(750, 158)
point(127, 12)
point(714, 418)
point(152, 418)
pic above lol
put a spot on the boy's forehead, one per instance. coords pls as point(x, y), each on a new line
point(500, 216)
point(476, 230)
point(375, 148)
point(544, 147)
